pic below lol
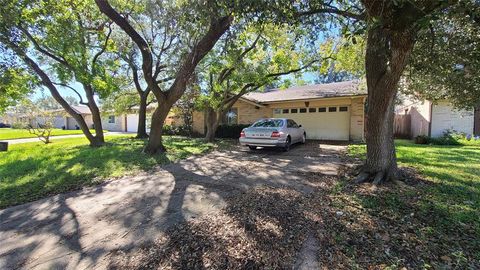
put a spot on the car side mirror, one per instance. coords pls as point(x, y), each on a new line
point(299, 125)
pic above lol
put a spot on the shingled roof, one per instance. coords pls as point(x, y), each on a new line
point(329, 90)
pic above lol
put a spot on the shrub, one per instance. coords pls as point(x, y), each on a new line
point(180, 130)
point(229, 131)
point(449, 137)
point(19, 125)
point(422, 139)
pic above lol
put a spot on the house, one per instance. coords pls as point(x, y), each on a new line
point(109, 122)
point(434, 118)
point(334, 111)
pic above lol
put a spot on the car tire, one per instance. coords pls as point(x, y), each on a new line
point(287, 144)
point(304, 138)
point(252, 147)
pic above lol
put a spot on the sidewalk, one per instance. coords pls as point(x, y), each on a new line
point(28, 140)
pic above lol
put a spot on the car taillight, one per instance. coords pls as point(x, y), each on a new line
point(242, 134)
point(275, 134)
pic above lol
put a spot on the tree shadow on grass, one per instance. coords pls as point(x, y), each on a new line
point(63, 170)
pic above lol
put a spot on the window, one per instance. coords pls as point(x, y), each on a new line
point(277, 111)
point(285, 111)
point(268, 123)
point(291, 124)
point(322, 109)
point(332, 109)
point(312, 109)
point(294, 110)
point(303, 110)
point(231, 117)
point(343, 109)
point(111, 119)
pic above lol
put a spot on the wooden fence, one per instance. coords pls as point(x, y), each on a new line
point(401, 126)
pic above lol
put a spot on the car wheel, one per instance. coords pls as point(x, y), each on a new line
point(287, 144)
point(304, 137)
point(252, 147)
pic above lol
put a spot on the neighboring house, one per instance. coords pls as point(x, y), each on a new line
point(434, 118)
point(334, 111)
point(109, 122)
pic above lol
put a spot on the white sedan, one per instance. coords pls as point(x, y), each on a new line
point(273, 132)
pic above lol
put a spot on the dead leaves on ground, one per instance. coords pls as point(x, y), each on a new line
point(357, 226)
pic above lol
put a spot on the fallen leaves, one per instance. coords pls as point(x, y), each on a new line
point(357, 226)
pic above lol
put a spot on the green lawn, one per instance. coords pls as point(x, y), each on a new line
point(451, 196)
point(10, 133)
point(31, 171)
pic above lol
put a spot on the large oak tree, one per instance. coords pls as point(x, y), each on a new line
point(215, 19)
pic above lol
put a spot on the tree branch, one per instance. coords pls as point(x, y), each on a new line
point(147, 60)
point(292, 70)
point(103, 49)
point(345, 13)
point(74, 90)
point(44, 51)
point(227, 71)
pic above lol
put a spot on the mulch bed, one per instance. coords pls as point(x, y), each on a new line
point(357, 226)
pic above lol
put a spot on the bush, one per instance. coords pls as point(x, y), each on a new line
point(449, 137)
point(229, 131)
point(19, 125)
point(172, 130)
point(422, 139)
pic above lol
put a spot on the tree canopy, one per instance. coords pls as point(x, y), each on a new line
point(445, 63)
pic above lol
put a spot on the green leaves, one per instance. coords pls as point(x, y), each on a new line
point(445, 63)
point(248, 58)
point(15, 84)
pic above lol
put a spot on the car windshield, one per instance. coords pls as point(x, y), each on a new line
point(269, 123)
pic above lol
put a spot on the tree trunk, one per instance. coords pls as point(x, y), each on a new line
point(155, 144)
point(97, 119)
point(54, 92)
point(386, 58)
point(142, 117)
point(212, 121)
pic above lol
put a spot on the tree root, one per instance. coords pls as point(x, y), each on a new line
point(376, 178)
point(362, 177)
point(379, 178)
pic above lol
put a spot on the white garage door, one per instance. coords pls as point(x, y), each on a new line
point(132, 122)
point(321, 123)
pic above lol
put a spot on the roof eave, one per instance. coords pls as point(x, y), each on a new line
point(312, 99)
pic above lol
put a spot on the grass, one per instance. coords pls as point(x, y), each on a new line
point(31, 171)
point(10, 133)
point(450, 199)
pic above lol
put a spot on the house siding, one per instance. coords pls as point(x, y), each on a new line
point(249, 113)
point(445, 116)
point(119, 124)
point(71, 123)
point(476, 122)
point(420, 117)
point(198, 124)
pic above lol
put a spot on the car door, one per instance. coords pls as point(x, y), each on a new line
point(297, 131)
point(292, 131)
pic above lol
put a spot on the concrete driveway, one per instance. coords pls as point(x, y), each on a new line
point(78, 230)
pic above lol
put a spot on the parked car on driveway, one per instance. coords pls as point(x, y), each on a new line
point(2, 125)
point(273, 132)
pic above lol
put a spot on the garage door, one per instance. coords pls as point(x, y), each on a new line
point(132, 122)
point(321, 123)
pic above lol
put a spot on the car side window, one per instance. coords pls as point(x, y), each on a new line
point(294, 124)
point(291, 124)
